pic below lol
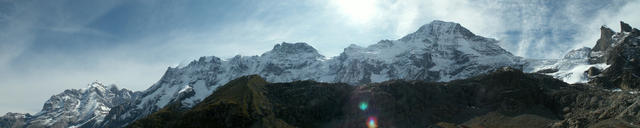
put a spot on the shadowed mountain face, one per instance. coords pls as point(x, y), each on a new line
point(504, 98)
point(250, 101)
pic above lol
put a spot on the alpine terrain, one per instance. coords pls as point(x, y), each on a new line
point(72, 108)
point(441, 75)
point(438, 51)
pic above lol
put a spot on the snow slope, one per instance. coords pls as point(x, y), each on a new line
point(571, 68)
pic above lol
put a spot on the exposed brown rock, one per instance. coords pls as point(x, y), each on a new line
point(592, 71)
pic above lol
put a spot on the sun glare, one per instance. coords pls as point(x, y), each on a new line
point(372, 122)
point(363, 106)
point(358, 11)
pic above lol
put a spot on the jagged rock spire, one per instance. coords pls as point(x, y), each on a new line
point(624, 27)
point(605, 40)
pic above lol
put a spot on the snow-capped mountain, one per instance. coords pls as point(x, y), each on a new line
point(76, 107)
point(438, 51)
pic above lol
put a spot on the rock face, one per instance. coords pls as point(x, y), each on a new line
point(591, 72)
point(504, 98)
point(615, 53)
point(623, 56)
point(602, 45)
point(438, 51)
point(75, 107)
point(14, 120)
point(624, 27)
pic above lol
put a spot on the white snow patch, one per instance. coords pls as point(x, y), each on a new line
point(185, 88)
point(202, 91)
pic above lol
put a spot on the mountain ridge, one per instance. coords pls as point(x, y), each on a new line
point(77, 107)
point(437, 52)
point(417, 58)
point(505, 97)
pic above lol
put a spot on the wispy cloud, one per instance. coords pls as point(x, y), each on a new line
point(531, 29)
point(49, 46)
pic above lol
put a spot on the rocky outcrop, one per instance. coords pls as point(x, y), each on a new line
point(623, 57)
point(592, 71)
point(615, 53)
point(624, 27)
point(14, 120)
point(602, 46)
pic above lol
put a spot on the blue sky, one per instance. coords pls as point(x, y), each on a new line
point(53, 45)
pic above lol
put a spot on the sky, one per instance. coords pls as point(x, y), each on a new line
point(52, 45)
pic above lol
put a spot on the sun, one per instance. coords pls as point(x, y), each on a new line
point(357, 11)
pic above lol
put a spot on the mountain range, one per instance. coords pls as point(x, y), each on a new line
point(440, 52)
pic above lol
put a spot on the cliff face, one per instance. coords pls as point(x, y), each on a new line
point(623, 54)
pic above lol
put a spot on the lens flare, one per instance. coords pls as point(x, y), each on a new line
point(363, 106)
point(372, 122)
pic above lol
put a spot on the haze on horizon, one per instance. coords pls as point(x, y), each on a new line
point(49, 46)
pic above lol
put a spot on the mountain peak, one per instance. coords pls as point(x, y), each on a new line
point(286, 49)
point(439, 28)
point(442, 27)
point(579, 53)
point(292, 48)
point(96, 84)
point(624, 27)
point(605, 40)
